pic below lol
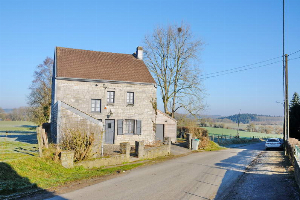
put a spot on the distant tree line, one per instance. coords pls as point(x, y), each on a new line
point(247, 118)
point(17, 114)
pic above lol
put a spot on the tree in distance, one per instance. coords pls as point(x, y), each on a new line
point(172, 56)
point(294, 117)
point(39, 98)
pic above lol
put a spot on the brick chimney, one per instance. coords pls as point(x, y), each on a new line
point(139, 53)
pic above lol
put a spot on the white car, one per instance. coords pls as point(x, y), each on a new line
point(273, 143)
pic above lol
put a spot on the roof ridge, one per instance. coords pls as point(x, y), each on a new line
point(93, 51)
point(167, 115)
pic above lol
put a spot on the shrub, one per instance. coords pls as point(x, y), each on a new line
point(79, 139)
point(195, 131)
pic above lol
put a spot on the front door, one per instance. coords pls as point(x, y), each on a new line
point(109, 131)
point(159, 132)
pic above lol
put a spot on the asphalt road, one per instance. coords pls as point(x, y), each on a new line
point(204, 175)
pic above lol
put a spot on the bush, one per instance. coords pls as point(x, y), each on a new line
point(79, 139)
point(195, 131)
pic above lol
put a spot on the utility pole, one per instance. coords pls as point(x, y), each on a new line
point(238, 134)
point(286, 102)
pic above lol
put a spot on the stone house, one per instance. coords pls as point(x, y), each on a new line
point(113, 91)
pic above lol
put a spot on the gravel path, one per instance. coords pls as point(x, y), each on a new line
point(268, 177)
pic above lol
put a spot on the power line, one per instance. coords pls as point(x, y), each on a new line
point(294, 52)
point(245, 69)
point(294, 58)
point(242, 66)
point(240, 70)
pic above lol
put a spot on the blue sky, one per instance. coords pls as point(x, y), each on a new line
point(235, 32)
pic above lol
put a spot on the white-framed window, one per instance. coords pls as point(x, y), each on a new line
point(110, 97)
point(130, 98)
point(129, 126)
point(96, 105)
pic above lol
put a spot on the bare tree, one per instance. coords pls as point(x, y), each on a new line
point(39, 99)
point(20, 114)
point(250, 127)
point(171, 55)
point(2, 114)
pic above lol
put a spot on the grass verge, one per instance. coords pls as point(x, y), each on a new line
point(34, 172)
point(212, 146)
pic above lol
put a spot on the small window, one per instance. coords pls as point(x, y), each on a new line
point(130, 98)
point(96, 105)
point(129, 126)
point(110, 97)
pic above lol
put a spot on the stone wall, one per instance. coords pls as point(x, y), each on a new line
point(79, 95)
point(113, 160)
point(153, 152)
point(290, 149)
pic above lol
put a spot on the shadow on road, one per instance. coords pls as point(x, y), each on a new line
point(237, 165)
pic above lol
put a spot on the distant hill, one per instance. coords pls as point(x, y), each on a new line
point(247, 118)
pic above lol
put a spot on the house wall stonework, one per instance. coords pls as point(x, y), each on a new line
point(79, 95)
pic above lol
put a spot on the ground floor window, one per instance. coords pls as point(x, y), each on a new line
point(129, 126)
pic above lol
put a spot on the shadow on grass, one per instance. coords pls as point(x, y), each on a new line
point(31, 139)
point(24, 132)
point(14, 186)
point(31, 127)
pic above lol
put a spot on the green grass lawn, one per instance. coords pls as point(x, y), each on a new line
point(15, 126)
point(243, 134)
point(22, 170)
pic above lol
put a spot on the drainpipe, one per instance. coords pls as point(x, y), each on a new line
point(102, 140)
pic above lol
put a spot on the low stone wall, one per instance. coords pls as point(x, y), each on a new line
point(141, 152)
point(153, 152)
point(290, 149)
point(114, 160)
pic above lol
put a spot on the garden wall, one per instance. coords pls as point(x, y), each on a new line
point(293, 155)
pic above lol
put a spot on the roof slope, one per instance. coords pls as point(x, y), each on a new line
point(85, 64)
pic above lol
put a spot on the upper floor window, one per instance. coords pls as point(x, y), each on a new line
point(110, 97)
point(96, 105)
point(130, 98)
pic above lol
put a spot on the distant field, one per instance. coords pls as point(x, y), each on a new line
point(15, 126)
point(243, 134)
point(20, 140)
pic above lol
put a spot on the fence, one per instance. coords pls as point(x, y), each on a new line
point(225, 139)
